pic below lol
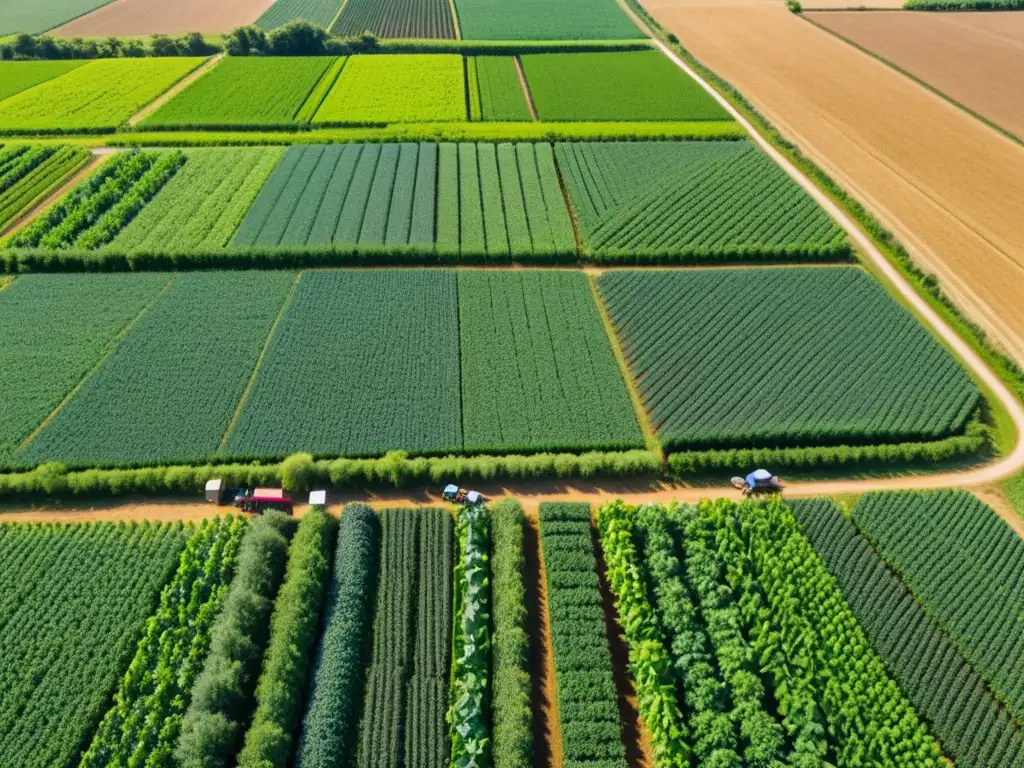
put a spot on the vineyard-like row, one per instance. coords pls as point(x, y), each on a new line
point(397, 18)
point(319, 12)
point(543, 20)
point(28, 174)
point(769, 357)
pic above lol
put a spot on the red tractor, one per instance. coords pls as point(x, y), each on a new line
point(253, 501)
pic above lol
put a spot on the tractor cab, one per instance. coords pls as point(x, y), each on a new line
point(757, 482)
point(457, 495)
point(253, 501)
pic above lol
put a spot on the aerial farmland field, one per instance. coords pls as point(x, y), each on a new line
point(501, 95)
point(539, 20)
point(319, 12)
point(34, 18)
point(18, 76)
point(150, 17)
point(397, 18)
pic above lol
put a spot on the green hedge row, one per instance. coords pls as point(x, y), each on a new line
point(330, 730)
point(964, 5)
point(293, 635)
point(223, 696)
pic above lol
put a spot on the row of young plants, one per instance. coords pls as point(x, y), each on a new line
point(35, 179)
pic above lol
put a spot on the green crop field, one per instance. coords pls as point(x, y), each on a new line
point(205, 201)
point(537, 370)
point(319, 12)
point(245, 91)
point(543, 20)
point(397, 89)
point(100, 94)
point(18, 76)
point(35, 18)
point(501, 94)
point(677, 198)
point(629, 85)
point(27, 174)
point(768, 357)
point(169, 389)
point(397, 18)
point(390, 381)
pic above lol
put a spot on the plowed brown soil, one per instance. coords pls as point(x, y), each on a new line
point(950, 187)
point(975, 59)
point(811, 5)
point(168, 17)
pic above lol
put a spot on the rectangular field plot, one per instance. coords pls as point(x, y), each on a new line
point(537, 370)
point(776, 357)
point(397, 19)
point(396, 89)
point(168, 390)
point(245, 91)
point(35, 18)
point(100, 94)
point(679, 198)
point(56, 329)
point(18, 76)
point(499, 200)
point(544, 20)
point(625, 86)
point(318, 12)
point(353, 194)
point(205, 201)
point(27, 174)
point(501, 94)
point(362, 362)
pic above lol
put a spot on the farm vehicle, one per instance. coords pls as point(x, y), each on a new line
point(457, 495)
point(758, 482)
point(252, 501)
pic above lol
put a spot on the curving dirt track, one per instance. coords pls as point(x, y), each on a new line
point(174, 17)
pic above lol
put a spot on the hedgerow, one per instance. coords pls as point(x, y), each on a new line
point(512, 737)
point(223, 696)
point(330, 727)
point(293, 634)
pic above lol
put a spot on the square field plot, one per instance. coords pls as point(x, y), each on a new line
point(677, 200)
point(245, 91)
point(783, 357)
point(101, 94)
point(544, 20)
point(397, 89)
point(18, 76)
point(408, 19)
point(501, 93)
point(619, 86)
point(33, 18)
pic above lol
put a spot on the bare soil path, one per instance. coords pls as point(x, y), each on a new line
point(180, 86)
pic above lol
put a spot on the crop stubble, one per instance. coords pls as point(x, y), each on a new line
point(149, 17)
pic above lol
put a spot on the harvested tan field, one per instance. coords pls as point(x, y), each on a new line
point(975, 59)
point(150, 17)
point(951, 187)
point(814, 5)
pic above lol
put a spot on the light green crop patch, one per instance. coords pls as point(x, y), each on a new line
point(397, 89)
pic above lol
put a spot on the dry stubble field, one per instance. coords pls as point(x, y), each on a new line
point(973, 58)
point(950, 187)
point(147, 17)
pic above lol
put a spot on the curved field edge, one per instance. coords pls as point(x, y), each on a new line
point(1009, 432)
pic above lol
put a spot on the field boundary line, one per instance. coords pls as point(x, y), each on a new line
point(643, 418)
point(103, 357)
point(337, 16)
point(237, 415)
point(1007, 466)
point(525, 85)
point(455, 19)
point(175, 89)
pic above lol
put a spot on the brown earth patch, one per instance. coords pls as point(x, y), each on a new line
point(949, 186)
point(148, 17)
point(974, 59)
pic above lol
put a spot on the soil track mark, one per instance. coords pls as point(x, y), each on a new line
point(547, 736)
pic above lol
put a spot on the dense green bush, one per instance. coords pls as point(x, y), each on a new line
point(293, 634)
point(330, 728)
point(29, 47)
point(964, 5)
point(223, 696)
point(512, 735)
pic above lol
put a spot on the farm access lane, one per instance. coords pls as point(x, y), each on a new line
point(949, 186)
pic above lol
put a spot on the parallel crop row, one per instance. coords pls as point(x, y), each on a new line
point(26, 178)
point(943, 686)
point(501, 93)
point(319, 12)
point(143, 724)
point(783, 357)
point(587, 709)
point(397, 18)
point(966, 566)
point(65, 634)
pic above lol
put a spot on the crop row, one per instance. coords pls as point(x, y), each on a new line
point(397, 18)
point(943, 686)
point(26, 178)
point(319, 12)
point(541, 20)
point(21, 75)
point(720, 365)
point(500, 92)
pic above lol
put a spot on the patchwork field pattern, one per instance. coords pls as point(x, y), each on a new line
point(34, 18)
point(18, 76)
point(390, 381)
point(395, 89)
point(319, 12)
point(501, 94)
point(668, 199)
point(168, 391)
point(397, 18)
point(719, 365)
point(101, 94)
point(353, 194)
point(28, 174)
point(245, 91)
point(537, 370)
point(57, 328)
point(543, 20)
point(626, 85)
point(205, 201)
point(501, 199)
